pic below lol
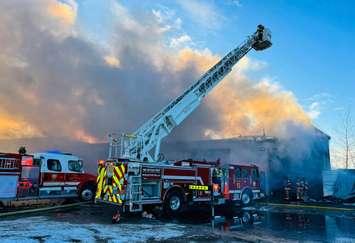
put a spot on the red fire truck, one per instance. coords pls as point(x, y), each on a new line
point(174, 186)
point(42, 177)
point(137, 174)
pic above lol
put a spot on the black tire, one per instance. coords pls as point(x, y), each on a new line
point(247, 198)
point(247, 218)
point(87, 193)
point(173, 203)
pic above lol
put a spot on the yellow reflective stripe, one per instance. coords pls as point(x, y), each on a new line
point(118, 183)
point(198, 187)
point(99, 180)
point(119, 198)
point(122, 168)
point(110, 189)
point(113, 198)
point(106, 189)
point(103, 178)
point(118, 172)
point(98, 174)
point(116, 180)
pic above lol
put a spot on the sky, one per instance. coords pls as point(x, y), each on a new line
point(312, 51)
point(90, 60)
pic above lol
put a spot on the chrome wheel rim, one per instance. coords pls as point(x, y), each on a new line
point(246, 218)
point(174, 203)
point(245, 198)
point(86, 194)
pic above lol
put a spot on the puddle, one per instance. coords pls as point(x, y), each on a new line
point(293, 226)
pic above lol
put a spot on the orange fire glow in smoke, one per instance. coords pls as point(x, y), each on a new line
point(15, 127)
point(244, 107)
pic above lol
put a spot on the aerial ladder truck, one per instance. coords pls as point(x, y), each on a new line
point(137, 174)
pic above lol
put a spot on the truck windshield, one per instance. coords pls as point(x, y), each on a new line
point(255, 173)
point(75, 165)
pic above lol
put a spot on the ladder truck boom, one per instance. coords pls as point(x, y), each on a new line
point(144, 144)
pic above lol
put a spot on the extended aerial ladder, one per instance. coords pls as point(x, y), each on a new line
point(144, 144)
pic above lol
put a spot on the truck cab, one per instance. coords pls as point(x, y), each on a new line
point(244, 183)
point(62, 174)
point(48, 175)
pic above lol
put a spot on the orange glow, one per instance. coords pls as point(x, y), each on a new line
point(112, 61)
point(245, 107)
point(202, 60)
point(16, 127)
point(215, 187)
point(85, 137)
point(63, 12)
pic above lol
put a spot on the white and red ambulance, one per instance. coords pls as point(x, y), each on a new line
point(45, 176)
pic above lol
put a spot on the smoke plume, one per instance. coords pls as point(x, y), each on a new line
point(55, 81)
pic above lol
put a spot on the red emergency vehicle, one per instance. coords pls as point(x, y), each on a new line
point(43, 176)
point(137, 173)
point(176, 185)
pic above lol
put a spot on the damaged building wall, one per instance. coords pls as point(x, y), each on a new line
point(303, 156)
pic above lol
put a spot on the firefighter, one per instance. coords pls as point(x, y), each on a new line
point(298, 189)
point(288, 188)
point(302, 189)
point(305, 189)
point(22, 150)
point(217, 176)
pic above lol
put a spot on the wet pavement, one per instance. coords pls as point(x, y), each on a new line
point(92, 223)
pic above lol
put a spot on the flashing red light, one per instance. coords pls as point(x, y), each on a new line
point(25, 184)
point(27, 161)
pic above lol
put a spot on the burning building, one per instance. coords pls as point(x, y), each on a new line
point(303, 155)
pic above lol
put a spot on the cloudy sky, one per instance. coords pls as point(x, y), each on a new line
point(81, 69)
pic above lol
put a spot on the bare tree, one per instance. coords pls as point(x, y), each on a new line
point(344, 141)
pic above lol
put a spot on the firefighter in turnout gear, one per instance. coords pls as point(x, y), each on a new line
point(288, 189)
point(305, 189)
point(217, 175)
point(299, 189)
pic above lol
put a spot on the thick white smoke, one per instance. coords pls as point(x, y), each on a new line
point(55, 81)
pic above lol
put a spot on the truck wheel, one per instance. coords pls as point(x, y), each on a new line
point(87, 193)
point(173, 203)
point(247, 218)
point(247, 198)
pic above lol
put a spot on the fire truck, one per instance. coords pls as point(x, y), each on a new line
point(176, 185)
point(137, 174)
point(42, 178)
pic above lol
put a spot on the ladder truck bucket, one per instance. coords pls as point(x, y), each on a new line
point(262, 38)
